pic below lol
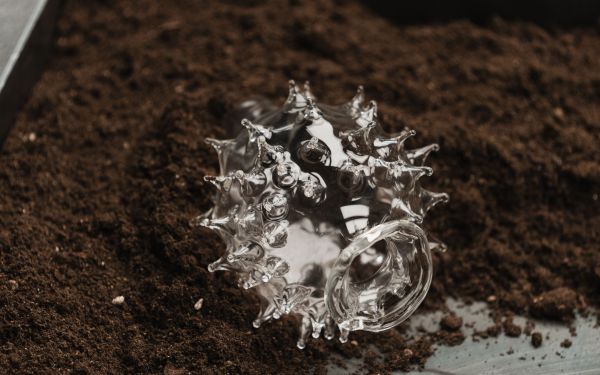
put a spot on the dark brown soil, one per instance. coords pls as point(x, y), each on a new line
point(557, 304)
point(104, 169)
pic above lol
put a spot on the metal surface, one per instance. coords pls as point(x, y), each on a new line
point(25, 35)
point(504, 355)
point(515, 356)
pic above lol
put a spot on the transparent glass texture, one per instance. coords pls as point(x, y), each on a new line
point(320, 212)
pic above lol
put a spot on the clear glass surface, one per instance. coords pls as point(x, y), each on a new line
point(320, 212)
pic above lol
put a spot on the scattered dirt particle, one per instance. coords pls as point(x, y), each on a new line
point(566, 343)
point(451, 322)
point(511, 329)
point(451, 338)
point(494, 330)
point(536, 339)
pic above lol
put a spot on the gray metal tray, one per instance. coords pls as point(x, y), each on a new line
point(25, 36)
point(504, 355)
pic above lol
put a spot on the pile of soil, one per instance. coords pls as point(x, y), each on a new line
point(104, 169)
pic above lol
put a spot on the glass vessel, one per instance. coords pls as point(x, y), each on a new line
point(320, 212)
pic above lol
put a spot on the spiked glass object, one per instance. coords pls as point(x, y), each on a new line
point(320, 212)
